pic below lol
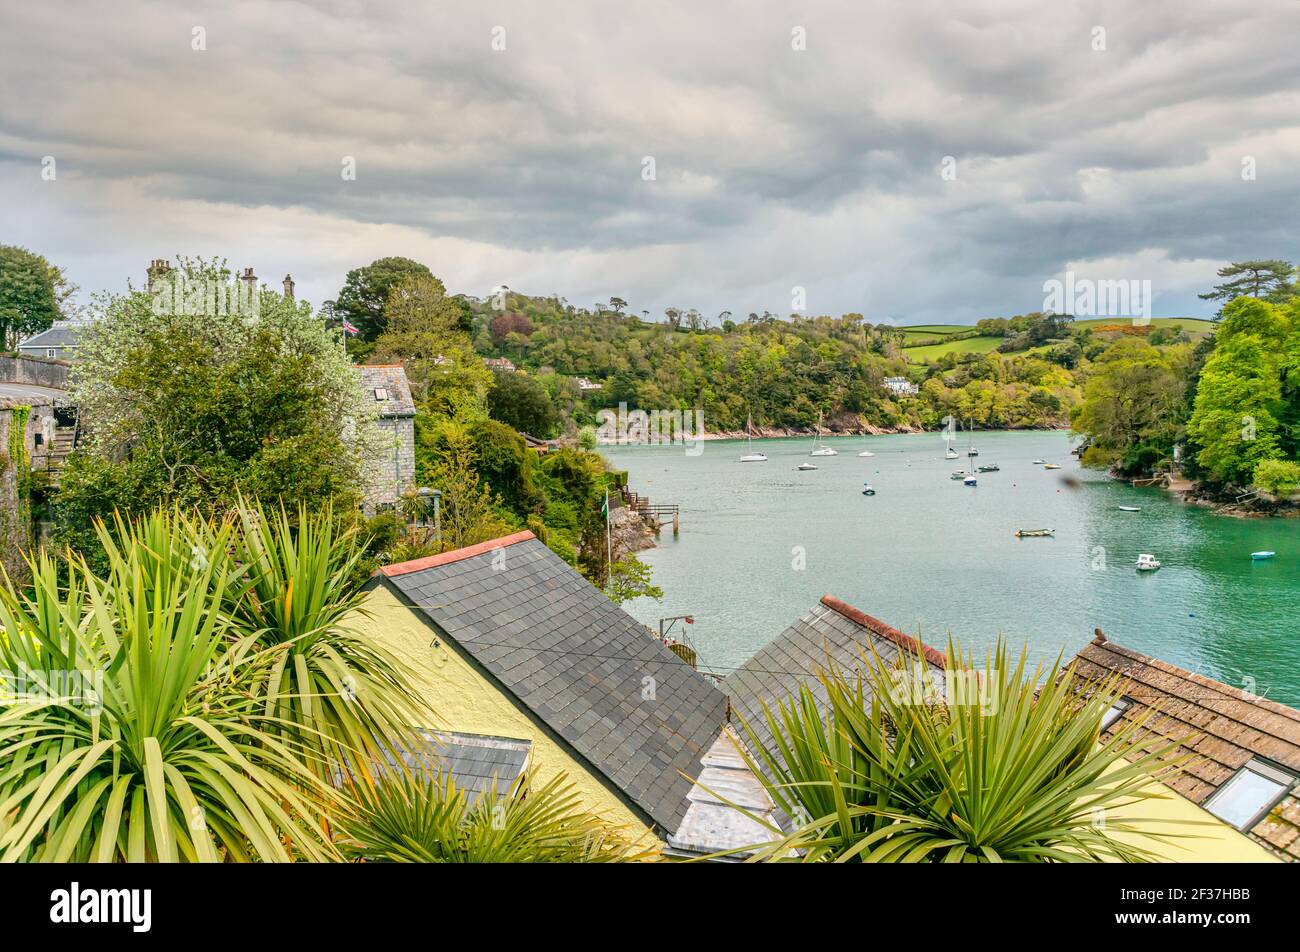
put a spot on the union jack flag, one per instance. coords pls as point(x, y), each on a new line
point(350, 328)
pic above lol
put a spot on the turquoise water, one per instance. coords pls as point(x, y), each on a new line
point(761, 542)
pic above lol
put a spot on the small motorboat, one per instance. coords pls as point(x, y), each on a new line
point(960, 474)
point(824, 451)
point(807, 466)
point(867, 490)
point(989, 468)
point(1051, 466)
point(866, 453)
point(1130, 508)
point(1147, 563)
point(1035, 533)
point(753, 458)
point(1038, 462)
point(969, 481)
point(1261, 556)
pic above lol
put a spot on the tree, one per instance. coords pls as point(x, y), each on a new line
point(425, 333)
point(521, 402)
point(617, 303)
point(629, 578)
point(364, 297)
point(469, 507)
point(1271, 280)
point(197, 411)
point(1134, 397)
point(1240, 410)
point(1277, 476)
point(29, 302)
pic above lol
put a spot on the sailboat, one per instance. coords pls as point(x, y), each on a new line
point(818, 448)
point(950, 454)
point(972, 451)
point(750, 456)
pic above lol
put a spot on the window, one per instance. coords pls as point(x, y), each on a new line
point(51, 352)
point(381, 393)
point(1253, 790)
point(1118, 708)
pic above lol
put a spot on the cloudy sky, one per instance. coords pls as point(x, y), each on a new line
point(1114, 140)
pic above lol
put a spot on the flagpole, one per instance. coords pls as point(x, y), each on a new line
point(609, 545)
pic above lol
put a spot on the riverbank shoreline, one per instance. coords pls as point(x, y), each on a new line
point(794, 432)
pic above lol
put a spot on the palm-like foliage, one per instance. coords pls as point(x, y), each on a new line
point(330, 690)
point(418, 816)
point(1002, 770)
point(168, 757)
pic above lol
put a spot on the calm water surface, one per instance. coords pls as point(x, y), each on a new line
point(929, 555)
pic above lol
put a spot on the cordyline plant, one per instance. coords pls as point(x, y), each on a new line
point(158, 750)
point(416, 815)
point(330, 691)
point(1002, 767)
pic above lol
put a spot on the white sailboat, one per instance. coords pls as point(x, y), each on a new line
point(818, 448)
point(972, 451)
point(750, 456)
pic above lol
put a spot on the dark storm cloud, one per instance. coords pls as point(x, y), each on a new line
point(775, 167)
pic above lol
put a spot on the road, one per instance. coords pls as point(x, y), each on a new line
point(23, 391)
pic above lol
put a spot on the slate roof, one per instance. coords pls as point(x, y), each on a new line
point(391, 379)
point(1225, 726)
point(475, 761)
point(639, 715)
point(832, 630)
point(60, 335)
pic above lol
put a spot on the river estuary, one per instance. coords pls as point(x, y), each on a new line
point(761, 542)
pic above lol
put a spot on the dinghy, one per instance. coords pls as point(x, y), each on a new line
point(1052, 466)
point(866, 453)
point(1035, 533)
point(1130, 508)
point(1260, 556)
point(1038, 462)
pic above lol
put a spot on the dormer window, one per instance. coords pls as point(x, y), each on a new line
point(381, 394)
point(1115, 712)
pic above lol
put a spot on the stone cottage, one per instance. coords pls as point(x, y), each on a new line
point(393, 472)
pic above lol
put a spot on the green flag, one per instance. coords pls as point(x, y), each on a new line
point(604, 510)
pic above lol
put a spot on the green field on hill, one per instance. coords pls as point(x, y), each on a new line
point(967, 345)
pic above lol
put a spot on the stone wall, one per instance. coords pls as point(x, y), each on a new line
point(34, 371)
point(393, 473)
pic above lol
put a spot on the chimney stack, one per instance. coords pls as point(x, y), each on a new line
point(158, 268)
point(288, 287)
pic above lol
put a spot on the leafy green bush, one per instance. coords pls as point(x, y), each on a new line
point(1278, 476)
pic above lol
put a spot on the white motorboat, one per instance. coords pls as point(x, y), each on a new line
point(807, 466)
point(866, 453)
point(1147, 563)
point(1038, 462)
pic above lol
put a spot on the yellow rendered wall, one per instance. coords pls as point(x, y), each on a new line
point(1188, 833)
point(464, 700)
